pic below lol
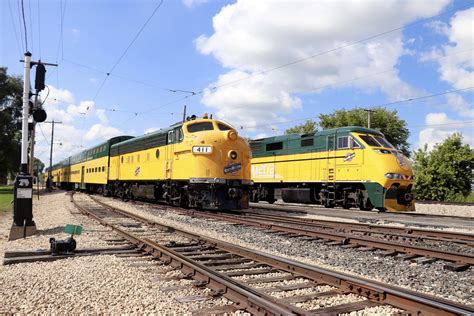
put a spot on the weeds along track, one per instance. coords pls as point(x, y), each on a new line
point(257, 282)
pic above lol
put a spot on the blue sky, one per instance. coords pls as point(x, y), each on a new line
point(195, 45)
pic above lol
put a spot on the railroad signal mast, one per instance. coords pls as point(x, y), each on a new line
point(23, 224)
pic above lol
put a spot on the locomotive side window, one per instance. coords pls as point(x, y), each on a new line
point(274, 146)
point(354, 143)
point(307, 142)
point(343, 142)
point(369, 140)
point(199, 127)
point(384, 142)
point(223, 127)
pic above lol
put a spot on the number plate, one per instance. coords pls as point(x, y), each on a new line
point(202, 149)
point(24, 193)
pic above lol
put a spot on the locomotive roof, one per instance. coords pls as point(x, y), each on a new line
point(339, 130)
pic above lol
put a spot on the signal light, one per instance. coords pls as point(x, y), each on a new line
point(40, 76)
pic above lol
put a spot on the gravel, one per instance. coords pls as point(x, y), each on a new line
point(87, 285)
point(430, 279)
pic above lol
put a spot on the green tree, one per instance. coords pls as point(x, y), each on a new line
point(307, 127)
point(11, 91)
point(38, 166)
point(445, 173)
point(388, 122)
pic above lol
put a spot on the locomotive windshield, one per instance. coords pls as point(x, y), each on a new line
point(369, 140)
point(223, 127)
point(199, 127)
point(376, 141)
point(384, 142)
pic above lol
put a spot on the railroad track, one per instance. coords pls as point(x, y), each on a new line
point(396, 241)
point(255, 281)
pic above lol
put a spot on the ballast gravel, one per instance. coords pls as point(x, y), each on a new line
point(427, 278)
point(103, 284)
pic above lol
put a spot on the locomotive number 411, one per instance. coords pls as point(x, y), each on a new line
point(202, 149)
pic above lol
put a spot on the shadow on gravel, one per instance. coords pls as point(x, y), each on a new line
point(51, 231)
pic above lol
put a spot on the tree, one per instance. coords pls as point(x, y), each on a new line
point(38, 166)
point(11, 92)
point(444, 173)
point(305, 128)
point(387, 122)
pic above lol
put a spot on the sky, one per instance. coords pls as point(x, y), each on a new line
point(129, 67)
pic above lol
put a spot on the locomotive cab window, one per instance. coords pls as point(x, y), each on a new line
point(199, 127)
point(274, 146)
point(384, 142)
point(223, 127)
point(369, 140)
point(354, 143)
point(343, 142)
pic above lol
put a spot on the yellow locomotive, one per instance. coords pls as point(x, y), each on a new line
point(201, 163)
point(349, 167)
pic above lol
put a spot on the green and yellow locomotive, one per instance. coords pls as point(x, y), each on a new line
point(348, 167)
point(201, 163)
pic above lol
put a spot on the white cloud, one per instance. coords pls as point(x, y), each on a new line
point(193, 3)
point(439, 127)
point(151, 130)
point(246, 43)
point(73, 134)
point(438, 27)
point(458, 67)
point(99, 132)
point(459, 104)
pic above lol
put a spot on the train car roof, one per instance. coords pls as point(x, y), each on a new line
point(339, 130)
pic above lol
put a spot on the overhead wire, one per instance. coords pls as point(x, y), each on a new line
point(39, 27)
point(31, 25)
point(14, 30)
point(20, 25)
point(117, 62)
point(374, 106)
point(24, 24)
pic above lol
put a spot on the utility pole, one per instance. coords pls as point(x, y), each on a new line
point(23, 224)
point(50, 177)
point(184, 114)
point(369, 112)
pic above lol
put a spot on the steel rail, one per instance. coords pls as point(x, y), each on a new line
point(243, 296)
point(417, 303)
point(343, 238)
point(382, 229)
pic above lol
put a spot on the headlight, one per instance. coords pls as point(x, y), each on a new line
point(233, 154)
point(232, 135)
point(393, 176)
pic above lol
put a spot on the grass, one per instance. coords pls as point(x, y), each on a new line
point(6, 196)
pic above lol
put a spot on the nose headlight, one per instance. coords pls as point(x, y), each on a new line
point(233, 154)
point(232, 135)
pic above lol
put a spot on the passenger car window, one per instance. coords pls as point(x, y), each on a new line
point(223, 127)
point(369, 140)
point(199, 127)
